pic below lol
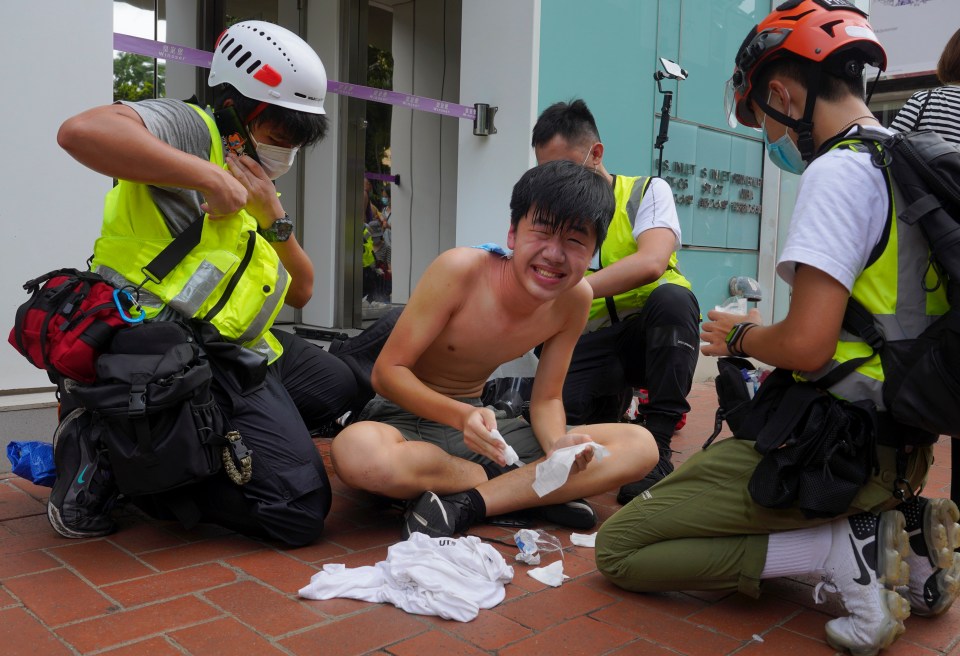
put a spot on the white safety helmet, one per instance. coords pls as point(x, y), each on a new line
point(270, 63)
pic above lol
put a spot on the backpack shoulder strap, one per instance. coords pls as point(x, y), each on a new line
point(858, 321)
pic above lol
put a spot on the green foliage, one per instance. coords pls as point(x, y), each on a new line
point(379, 76)
point(133, 77)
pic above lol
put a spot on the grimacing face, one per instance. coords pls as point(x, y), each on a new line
point(548, 262)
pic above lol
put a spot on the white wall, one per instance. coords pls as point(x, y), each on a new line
point(423, 146)
point(500, 55)
point(181, 26)
point(52, 205)
point(321, 181)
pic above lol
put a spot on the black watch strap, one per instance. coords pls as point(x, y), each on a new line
point(734, 338)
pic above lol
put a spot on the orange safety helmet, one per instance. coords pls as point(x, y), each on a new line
point(834, 32)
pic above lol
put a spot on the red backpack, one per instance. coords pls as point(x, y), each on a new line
point(68, 321)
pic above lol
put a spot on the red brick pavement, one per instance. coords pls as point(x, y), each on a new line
point(153, 588)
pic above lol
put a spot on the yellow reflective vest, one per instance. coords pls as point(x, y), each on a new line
point(232, 278)
point(892, 288)
point(368, 257)
point(620, 243)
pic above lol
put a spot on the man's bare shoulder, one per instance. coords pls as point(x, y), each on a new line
point(579, 296)
point(462, 262)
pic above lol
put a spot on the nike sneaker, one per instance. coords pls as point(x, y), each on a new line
point(439, 517)
point(934, 560)
point(84, 490)
point(661, 470)
point(865, 566)
point(576, 514)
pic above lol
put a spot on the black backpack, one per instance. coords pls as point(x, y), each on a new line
point(360, 353)
point(922, 376)
point(154, 411)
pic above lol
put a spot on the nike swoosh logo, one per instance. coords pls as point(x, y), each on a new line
point(83, 471)
point(864, 578)
point(443, 511)
point(930, 593)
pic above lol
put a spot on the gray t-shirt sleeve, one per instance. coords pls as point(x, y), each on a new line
point(178, 124)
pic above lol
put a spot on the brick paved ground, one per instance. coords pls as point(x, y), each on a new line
point(153, 588)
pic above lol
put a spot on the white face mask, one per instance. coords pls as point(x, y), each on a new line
point(275, 160)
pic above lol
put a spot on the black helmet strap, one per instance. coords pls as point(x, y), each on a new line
point(803, 126)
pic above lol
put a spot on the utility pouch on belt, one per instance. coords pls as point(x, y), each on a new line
point(818, 451)
point(733, 395)
point(152, 401)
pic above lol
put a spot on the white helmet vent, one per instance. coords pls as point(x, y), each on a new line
point(247, 53)
point(266, 62)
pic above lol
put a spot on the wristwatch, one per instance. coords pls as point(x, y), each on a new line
point(734, 338)
point(281, 229)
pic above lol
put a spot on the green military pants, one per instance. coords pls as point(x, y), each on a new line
point(699, 529)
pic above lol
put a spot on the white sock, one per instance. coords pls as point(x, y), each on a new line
point(803, 551)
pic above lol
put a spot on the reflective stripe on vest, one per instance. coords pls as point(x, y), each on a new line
point(233, 278)
point(892, 289)
point(620, 243)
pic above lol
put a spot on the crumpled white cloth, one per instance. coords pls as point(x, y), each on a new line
point(450, 577)
point(509, 453)
point(554, 471)
point(551, 575)
point(584, 539)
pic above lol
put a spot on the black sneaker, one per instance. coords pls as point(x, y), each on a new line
point(657, 474)
point(934, 560)
point(84, 490)
point(438, 517)
point(572, 514)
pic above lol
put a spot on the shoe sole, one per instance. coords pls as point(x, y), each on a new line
point(941, 531)
point(53, 515)
point(893, 548)
point(942, 535)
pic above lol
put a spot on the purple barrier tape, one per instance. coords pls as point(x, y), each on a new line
point(402, 100)
point(202, 58)
point(383, 177)
point(168, 51)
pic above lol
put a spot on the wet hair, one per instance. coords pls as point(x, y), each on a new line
point(299, 128)
point(571, 120)
point(563, 196)
point(948, 68)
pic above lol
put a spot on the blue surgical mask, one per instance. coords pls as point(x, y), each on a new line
point(783, 152)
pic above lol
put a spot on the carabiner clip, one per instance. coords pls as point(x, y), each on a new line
point(902, 489)
point(132, 303)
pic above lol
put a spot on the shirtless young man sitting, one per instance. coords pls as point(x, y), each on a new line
point(426, 434)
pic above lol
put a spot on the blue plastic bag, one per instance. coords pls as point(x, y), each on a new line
point(33, 461)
